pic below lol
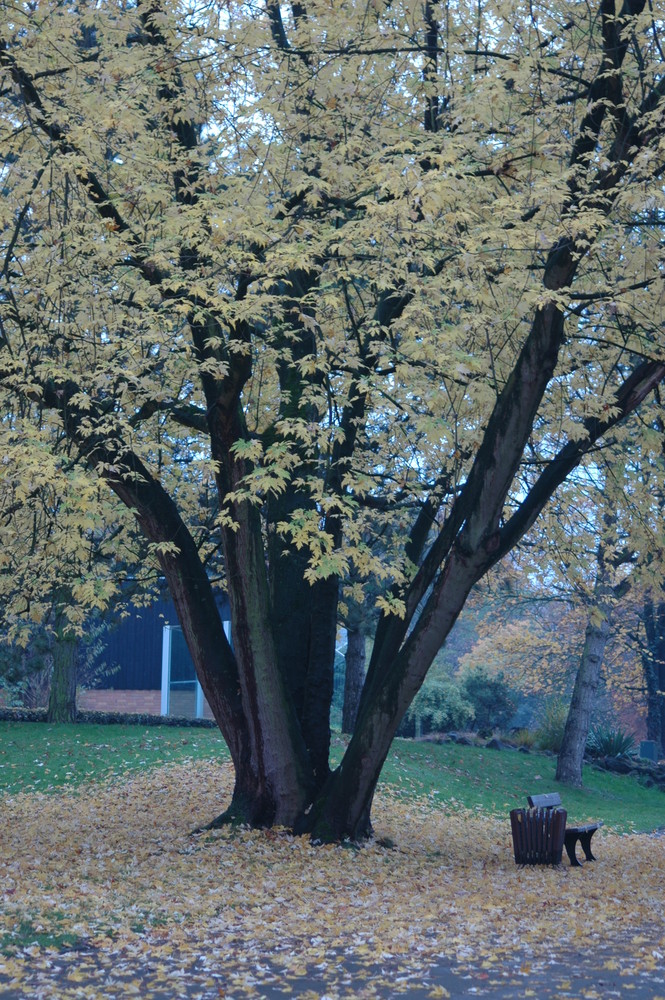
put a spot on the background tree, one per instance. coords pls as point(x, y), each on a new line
point(529, 633)
point(439, 706)
point(649, 635)
point(66, 545)
point(628, 565)
point(608, 581)
point(589, 567)
point(493, 702)
point(653, 665)
point(361, 252)
point(585, 566)
point(587, 680)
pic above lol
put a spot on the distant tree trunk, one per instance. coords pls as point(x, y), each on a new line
point(62, 698)
point(653, 665)
point(571, 754)
point(354, 677)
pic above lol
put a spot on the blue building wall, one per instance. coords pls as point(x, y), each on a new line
point(134, 645)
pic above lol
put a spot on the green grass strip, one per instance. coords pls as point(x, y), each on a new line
point(37, 757)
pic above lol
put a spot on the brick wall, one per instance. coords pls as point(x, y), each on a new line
point(135, 702)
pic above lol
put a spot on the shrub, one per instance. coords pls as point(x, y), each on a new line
point(25, 670)
point(438, 707)
point(610, 741)
point(524, 737)
point(492, 700)
point(549, 734)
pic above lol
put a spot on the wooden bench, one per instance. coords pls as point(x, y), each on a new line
point(538, 835)
point(552, 800)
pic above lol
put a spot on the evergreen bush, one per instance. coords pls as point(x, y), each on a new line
point(610, 741)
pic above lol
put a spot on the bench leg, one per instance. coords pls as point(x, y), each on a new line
point(570, 840)
point(585, 841)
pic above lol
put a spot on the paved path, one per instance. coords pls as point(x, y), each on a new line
point(620, 971)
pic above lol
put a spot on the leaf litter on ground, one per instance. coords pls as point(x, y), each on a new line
point(107, 891)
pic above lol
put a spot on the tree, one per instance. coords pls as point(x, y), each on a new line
point(441, 705)
point(590, 564)
point(372, 259)
point(583, 701)
point(529, 634)
point(62, 695)
point(610, 582)
point(653, 665)
point(64, 546)
point(650, 637)
point(491, 699)
point(25, 671)
point(629, 555)
point(606, 537)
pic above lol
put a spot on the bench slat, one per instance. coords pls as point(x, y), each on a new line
point(547, 801)
point(587, 827)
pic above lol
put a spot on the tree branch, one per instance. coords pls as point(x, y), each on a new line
point(643, 381)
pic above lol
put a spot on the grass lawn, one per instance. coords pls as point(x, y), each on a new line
point(38, 757)
point(495, 782)
point(41, 757)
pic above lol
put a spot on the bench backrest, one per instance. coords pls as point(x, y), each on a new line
point(547, 801)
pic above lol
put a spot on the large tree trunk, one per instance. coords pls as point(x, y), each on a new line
point(315, 719)
point(344, 809)
point(62, 697)
point(304, 626)
point(571, 754)
point(242, 685)
point(277, 746)
point(354, 676)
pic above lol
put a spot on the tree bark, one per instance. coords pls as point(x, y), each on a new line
point(343, 811)
point(653, 666)
point(62, 697)
point(655, 706)
point(315, 719)
point(354, 676)
point(571, 754)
